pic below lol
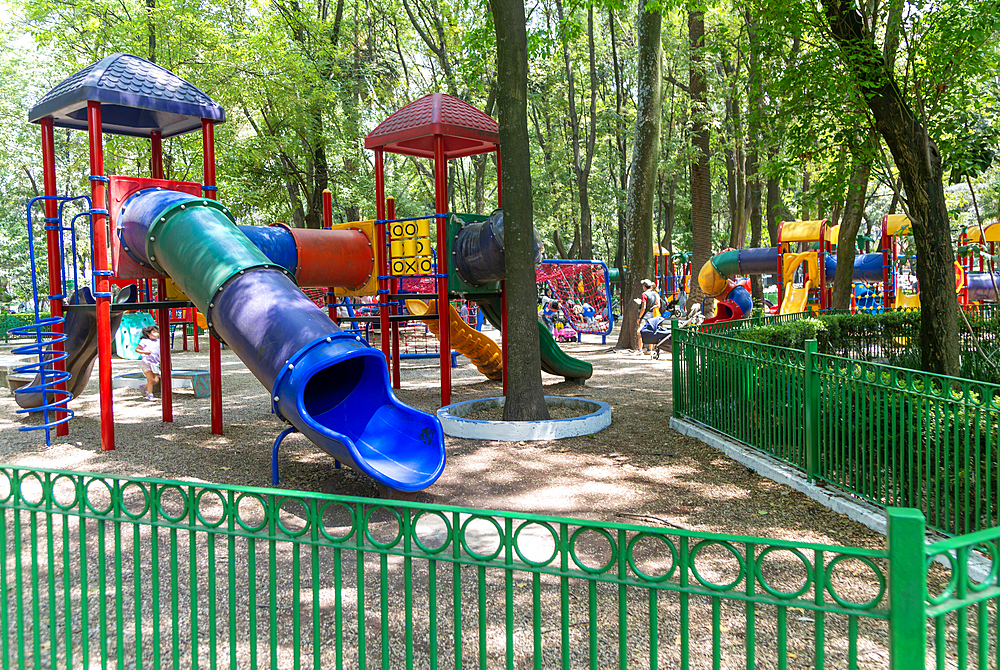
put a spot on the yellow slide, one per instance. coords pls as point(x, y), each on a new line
point(481, 350)
point(795, 299)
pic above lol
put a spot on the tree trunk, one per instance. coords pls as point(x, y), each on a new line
point(525, 398)
point(854, 209)
point(642, 178)
point(701, 175)
point(805, 211)
point(919, 163)
point(622, 148)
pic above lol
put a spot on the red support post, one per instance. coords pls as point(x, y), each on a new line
point(102, 281)
point(383, 270)
point(214, 348)
point(444, 314)
point(888, 295)
point(821, 265)
point(156, 155)
point(390, 213)
point(331, 298)
point(53, 247)
point(163, 323)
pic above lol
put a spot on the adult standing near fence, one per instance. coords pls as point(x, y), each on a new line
point(649, 306)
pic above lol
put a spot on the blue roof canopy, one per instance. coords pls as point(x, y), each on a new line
point(137, 97)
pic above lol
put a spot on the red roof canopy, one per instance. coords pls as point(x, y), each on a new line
point(410, 131)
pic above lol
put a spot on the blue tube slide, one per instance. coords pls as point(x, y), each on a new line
point(867, 267)
point(276, 243)
point(329, 385)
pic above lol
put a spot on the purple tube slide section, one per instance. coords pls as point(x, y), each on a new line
point(330, 385)
point(981, 286)
point(763, 261)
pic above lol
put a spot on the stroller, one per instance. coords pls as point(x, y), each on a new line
point(656, 331)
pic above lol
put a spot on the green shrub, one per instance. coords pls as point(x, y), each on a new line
point(790, 334)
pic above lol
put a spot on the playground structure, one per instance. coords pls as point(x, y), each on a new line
point(981, 282)
point(817, 266)
point(673, 278)
point(327, 383)
point(583, 289)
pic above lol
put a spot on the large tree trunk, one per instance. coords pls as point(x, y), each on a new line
point(854, 209)
point(525, 398)
point(642, 174)
point(919, 163)
point(701, 175)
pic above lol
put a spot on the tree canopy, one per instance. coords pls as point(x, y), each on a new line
point(784, 110)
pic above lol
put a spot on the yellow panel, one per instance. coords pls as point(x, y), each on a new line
point(174, 291)
point(992, 231)
point(897, 224)
point(833, 234)
point(791, 263)
point(908, 301)
point(972, 236)
point(800, 231)
point(368, 228)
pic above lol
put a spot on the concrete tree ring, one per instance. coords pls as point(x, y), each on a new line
point(455, 424)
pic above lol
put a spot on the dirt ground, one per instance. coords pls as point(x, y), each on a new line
point(638, 470)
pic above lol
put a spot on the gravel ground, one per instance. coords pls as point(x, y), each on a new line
point(637, 471)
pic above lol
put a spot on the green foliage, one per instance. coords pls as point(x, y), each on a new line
point(889, 337)
point(788, 334)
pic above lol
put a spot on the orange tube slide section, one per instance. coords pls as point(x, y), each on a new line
point(332, 257)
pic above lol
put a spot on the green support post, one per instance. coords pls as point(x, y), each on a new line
point(907, 589)
point(811, 388)
point(675, 363)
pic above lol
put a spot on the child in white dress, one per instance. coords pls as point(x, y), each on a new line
point(149, 347)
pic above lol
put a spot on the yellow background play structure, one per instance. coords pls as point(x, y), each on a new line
point(796, 299)
point(484, 353)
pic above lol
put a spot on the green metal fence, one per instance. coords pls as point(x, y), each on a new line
point(963, 615)
point(8, 321)
point(889, 435)
point(141, 573)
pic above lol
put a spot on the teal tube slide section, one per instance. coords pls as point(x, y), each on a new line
point(331, 386)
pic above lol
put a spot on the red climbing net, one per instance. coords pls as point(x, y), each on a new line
point(579, 286)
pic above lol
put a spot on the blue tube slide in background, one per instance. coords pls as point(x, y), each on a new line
point(330, 386)
point(867, 267)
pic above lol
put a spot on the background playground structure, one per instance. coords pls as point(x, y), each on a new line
point(877, 272)
point(583, 289)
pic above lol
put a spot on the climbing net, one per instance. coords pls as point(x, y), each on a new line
point(579, 286)
point(317, 294)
